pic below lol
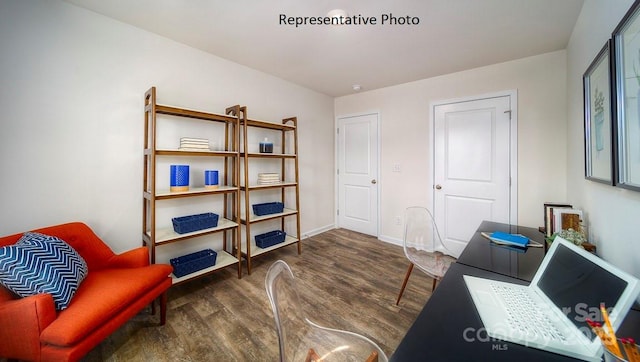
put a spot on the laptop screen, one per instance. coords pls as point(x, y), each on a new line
point(577, 286)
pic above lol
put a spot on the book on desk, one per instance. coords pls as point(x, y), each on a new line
point(507, 239)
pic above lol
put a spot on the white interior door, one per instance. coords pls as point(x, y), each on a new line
point(358, 173)
point(473, 155)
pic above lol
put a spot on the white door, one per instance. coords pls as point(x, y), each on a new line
point(358, 173)
point(473, 154)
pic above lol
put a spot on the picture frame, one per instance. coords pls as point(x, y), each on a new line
point(598, 115)
point(626, 64)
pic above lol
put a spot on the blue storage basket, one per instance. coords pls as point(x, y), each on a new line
point(193, 262)
point(187, 224)
point(268, 208)
point(270, 239)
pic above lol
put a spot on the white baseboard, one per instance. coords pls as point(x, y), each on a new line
point(320, 230)
point(390, 240)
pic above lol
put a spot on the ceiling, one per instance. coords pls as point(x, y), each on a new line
point(451, 35)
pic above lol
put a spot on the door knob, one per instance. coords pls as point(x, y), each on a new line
point(438, 187)
point(374, 181)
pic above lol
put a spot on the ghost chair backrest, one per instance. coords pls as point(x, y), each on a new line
point(300, 339)
point(424, 247)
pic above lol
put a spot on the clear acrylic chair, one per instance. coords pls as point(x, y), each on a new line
point(303, 340)
point(423, 246)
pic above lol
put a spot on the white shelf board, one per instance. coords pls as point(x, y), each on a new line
point(167, 234)
point(195, 191)
point(271, 155)
point(223, 259)
point(255, 250)
point(198, 152)
point(276, 184)
point(256, 218)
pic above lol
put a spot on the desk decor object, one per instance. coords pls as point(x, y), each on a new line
point(211, 179)
point(597, 118)
point(558, 216)
point(626, 56)
point(179, 178)
point(503, 238)
point(615, 349)
point(548, 215)
point(630, 351)
point(574, 236)
point(191, 223)
point(566, 218)
point(193, 262)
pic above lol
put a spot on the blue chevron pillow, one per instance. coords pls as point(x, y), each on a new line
point(40, 263)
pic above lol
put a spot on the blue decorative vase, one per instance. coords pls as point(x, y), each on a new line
point(211, 179)
point(179, 178)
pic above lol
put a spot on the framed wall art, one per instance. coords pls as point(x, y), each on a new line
point(599, 160)
point(626, 55)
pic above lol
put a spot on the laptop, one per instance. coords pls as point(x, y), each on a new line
point(552, 311)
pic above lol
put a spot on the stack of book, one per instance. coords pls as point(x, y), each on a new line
point(268, 178)
point(560, 216)
point(194, 144)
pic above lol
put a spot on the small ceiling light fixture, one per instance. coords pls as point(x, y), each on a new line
point(356, 87)
point(337, 16)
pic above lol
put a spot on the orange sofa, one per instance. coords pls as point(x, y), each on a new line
point(115, 289)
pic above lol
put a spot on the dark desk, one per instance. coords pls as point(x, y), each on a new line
point(505, 260)
point(449, 329)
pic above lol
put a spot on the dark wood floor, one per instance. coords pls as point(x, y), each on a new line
point(347, 280)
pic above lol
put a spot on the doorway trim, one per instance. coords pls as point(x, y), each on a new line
point(337, 163)
point(513, 144)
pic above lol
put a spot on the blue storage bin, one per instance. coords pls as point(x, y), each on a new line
point(193, 262)
point(270, 239)
point(268, 208)
point(187, 224)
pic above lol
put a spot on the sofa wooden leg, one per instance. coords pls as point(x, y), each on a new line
point(163, 308)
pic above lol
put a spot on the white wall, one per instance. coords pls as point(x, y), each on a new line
point(405, 129)
point(71, 94)
point(71, 101)
point(611, 213)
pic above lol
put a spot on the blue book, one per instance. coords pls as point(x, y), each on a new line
point(500, 237)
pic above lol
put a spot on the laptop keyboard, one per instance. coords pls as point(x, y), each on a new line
point(523, 315)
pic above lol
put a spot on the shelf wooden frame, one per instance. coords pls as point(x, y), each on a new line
point(288, 131)
point(228, 222)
